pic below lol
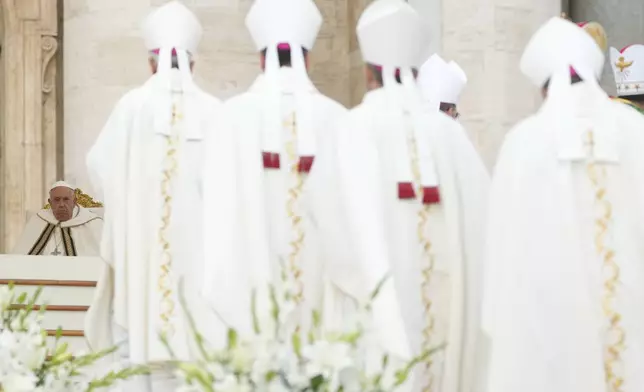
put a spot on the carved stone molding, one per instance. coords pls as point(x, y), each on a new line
point(29, 136)
point(49, 49)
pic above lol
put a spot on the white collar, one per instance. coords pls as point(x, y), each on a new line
point(80, 216)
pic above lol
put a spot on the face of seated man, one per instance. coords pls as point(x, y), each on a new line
point(62, 201)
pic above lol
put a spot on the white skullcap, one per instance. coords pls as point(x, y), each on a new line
point(390, 34)
point(172, 26)
point(628, 69)
point(440, 81)
point(296, 22)
point(62, 184)
point(561, 44)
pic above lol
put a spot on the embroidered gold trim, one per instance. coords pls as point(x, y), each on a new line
point(616, 335)
point(428, 269)
point(291, 205)
point(164, 284)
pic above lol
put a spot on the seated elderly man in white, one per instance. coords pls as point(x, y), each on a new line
point(63, 229)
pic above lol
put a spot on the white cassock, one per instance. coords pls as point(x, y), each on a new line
point(432, 241)
point(564, 295)
point(149, 178)
point(260, 215)
point(563, 233)
point(45, 235)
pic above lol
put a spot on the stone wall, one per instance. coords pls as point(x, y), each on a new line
point(105, 57)
point(487, 37)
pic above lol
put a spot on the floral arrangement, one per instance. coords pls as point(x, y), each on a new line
point(280, 358)
point(27, 364)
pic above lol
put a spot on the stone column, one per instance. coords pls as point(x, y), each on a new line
point(487, 38)
point(29, 159)
point(623, 21)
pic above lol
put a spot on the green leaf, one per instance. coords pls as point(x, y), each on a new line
point(402, 374)
point(61, 349)
point(296, 340)
point(198, 337)
point(317, 382)
point(22, 298)
point(385, 361)
point(351, 338)
point(232, 339)
point(253, 309)
point(376, 291)
point(270, 376)
point(275, 310)
point(112, 377)
point(317, 319)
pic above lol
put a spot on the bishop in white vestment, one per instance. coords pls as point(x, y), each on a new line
point(421, 203)
point(265, 228)
point(564, 293)
point(146, 164)
point(442, 82)
point(62, 229)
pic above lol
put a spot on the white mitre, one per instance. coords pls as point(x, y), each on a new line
point(63, 184)
point(440, 81)
point(273, 22)
point(556, 48)
point(172, 26)
point(628, 69)
point(558, 45)
point(390, 34)
point(430, 79)
point(455, 83)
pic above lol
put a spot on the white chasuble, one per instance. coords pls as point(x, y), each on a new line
point(431, 235)
point(564, 295)
point(45, 235)
point(261, 230)
point(149, 176)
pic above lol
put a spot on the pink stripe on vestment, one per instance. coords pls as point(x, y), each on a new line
point(283, 46)
point(379, 68)
point(156, 51)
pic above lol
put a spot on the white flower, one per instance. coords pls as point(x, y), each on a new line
point(325, 357)
point(242, 358)
point(32, 352)
point(16, 382)
point(8, 340)
point(217, 371)
point(230, 383)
